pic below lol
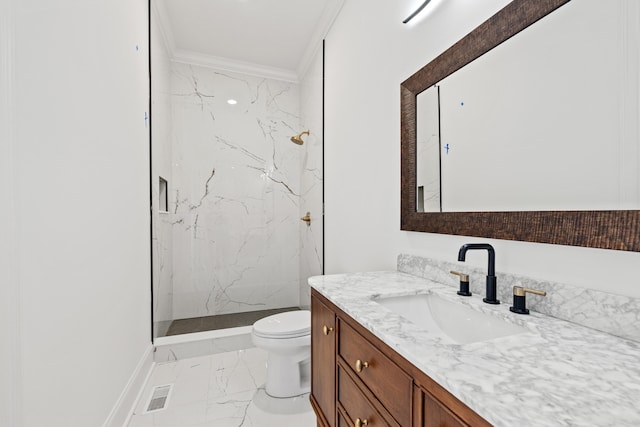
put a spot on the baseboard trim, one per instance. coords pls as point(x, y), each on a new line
point(123, 409)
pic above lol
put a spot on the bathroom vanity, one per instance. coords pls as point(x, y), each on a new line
point(372, 366)
point(359, 380)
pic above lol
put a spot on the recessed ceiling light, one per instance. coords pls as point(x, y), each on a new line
point(232, 101)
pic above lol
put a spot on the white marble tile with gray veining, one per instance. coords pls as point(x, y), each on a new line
point(556, 373)
point(222, 390)
point(235, 195)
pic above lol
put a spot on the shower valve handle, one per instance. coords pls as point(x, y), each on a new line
point(307, 218)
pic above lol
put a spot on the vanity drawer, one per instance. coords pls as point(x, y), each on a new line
point(390, 384)
point(354, 406)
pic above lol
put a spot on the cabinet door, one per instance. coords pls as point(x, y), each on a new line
point(323, 361)
point(437, 415)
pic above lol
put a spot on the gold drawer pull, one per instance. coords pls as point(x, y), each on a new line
point(360, 423)
point(326, 329)
point(360, 365)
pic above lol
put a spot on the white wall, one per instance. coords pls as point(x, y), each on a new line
point(75, 182)
point(10, 366)
point(369, 52)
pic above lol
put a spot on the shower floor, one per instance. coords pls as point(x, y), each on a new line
point(221, 321)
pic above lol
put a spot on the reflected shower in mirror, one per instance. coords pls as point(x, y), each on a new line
point(428, 151)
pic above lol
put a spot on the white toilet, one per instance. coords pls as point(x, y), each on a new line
point(287, 339)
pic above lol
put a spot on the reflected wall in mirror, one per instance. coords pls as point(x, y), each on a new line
point(611, 228)
point(537, 123)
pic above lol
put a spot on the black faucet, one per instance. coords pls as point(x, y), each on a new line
point(491, 274)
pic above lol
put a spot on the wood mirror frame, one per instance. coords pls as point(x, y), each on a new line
point(619, 230)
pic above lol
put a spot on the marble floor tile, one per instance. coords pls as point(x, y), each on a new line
point(221, 390)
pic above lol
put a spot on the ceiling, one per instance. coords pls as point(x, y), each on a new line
point(267, 36)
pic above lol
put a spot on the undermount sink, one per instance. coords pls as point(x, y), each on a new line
point(455, 322)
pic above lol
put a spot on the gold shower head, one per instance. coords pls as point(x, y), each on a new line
point(298, 138)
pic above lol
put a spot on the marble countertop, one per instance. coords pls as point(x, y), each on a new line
point(556, 374)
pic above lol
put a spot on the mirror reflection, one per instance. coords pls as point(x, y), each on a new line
point(428, 151)
point(545, 121)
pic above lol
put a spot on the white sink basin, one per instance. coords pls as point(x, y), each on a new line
point(455, 322)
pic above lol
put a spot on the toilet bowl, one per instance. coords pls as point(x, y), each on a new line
point(287, 339)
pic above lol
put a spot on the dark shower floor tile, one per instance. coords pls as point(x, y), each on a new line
point(221, 321)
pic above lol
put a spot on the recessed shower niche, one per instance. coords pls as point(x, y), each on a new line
point(230, 247)
point(163, 196)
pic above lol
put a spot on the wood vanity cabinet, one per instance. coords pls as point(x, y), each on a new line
point(323, 362)
point(357, 380)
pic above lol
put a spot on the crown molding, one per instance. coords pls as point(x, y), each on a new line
point(232, 65)
point(325, 23)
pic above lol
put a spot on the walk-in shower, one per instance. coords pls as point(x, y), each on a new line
point(228, 243)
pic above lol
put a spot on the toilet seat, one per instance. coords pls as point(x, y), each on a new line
point(291, 324)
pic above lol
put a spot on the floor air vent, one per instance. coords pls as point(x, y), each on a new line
point(159, 398)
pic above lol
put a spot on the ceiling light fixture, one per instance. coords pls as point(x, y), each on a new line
point(232, 101)
point(418, 10)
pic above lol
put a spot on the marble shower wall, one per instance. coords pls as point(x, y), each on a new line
point(235, 197)
point(311, 177)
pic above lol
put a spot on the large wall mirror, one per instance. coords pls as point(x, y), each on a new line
point(528, 129)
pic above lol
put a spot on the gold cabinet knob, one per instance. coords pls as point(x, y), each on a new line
point(360, 365)
point(360, 423)
point(326, 329)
